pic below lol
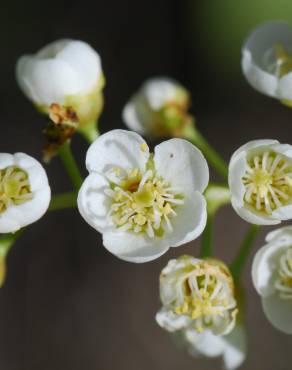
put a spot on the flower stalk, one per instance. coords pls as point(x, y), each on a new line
point(63, 201)
point(195, 137)
point(239, 261)
point(69, 163)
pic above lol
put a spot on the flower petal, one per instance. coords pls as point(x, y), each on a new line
point(117, 148)
point(160, 90)
point(46, 81)
point(190, 221)
point(259, 79)
point(138, 115)
point(263, 266)
point(205, 343)
point(134, 248)
point(235, 348)
point(93, 203)
point(279, 312)
point(170, 321)
point(85, 62)
point(182, 165)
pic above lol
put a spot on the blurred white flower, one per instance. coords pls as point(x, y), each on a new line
point(144, 203)
point(232, 347)
point(66, 72)
point(272, 278)
point(197, 294)
point(267, 59)
point(260, 181)
point(158, 108)
point(25, 192)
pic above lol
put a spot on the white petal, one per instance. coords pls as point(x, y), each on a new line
point(132, 118)
point(253, 144)
point(159, 91)
point(264, 264)
point(285, 87)
point(253, 217)
point(138, 115)
point(259, 79)
point(278, 312)
point(170, 321)
point(134, 248)
point(93, 203)
point(36, 173)
point(47, 81)
point(16, 217)
point(205, 343)
point(117, 148)
point(182, 165)
point(190, 221)
point(235, 348)
point(237, 169)
point(283, 233)
point(6, 160)
point(84, 61)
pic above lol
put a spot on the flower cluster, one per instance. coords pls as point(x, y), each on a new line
point(145, 202)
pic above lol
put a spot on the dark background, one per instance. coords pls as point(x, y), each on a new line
point(68, 304)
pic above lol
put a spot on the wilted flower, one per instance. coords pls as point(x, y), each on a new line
point(267, 60)
point(260, 180)
point(232, 347)
point(197, 294)
point(25, 192)
point(159, 108)
point(272, 278)
point(66, 72)
point(143, 203)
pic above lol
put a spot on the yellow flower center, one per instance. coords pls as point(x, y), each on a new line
point(143, 203)
point(278, 61)
point(268, 182)
point(14, 187)
point(207, 294)
point(284, 279)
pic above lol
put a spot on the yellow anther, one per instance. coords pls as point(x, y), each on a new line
point(14, 187)
point(144, 147)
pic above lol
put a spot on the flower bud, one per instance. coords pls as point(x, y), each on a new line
point(65, 72)
point(159, 108)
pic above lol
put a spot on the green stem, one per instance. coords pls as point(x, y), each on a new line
point(90, 132)
point(216, 195)
point(193, 135)
point(63, 201)
point(69, 163)
point(7, 241)
point(239, 261)
point(207, 238)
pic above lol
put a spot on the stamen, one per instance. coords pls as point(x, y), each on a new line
point(283, 283)
point(14, 187)
point(141, 201)
point(267, 182)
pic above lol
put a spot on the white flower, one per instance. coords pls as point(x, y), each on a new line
point(67, 72)
point(24, 189)
point(260, 181)
point(157, 108)
point(267, 59)
point(232, 347)
point(197, 294)
point(143, 203)
point(272, 278)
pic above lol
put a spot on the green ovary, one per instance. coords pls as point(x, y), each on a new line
point(268, 182)
point(14, 187)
